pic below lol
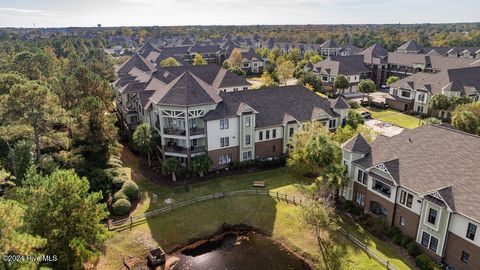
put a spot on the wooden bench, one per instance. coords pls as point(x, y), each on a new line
point(258, 184)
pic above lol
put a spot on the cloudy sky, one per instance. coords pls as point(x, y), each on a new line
point(58, 13)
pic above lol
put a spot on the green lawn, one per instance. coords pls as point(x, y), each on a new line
point(393, 117)
point(278, 219)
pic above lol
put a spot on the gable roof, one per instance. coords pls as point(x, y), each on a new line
point(410, 46)
point(431, 158)
point(135, 61)
point(344, 65)
point(329, 43)
point(357, 144)
point(375, 54)
point(186, 90)
point(272, 104)
point(340, 104)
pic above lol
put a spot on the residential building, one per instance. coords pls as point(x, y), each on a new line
point(352, 67)
point(252, 63)
point(414, 93)
point(206, 109)
point(424, 181)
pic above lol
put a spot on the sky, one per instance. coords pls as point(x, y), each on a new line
point(58, 13)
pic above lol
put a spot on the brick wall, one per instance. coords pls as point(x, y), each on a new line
point(411, 221)
point(265, 148)
point(453, 253)
point(215, 154)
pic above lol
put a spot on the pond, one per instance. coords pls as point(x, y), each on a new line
point(236, 250)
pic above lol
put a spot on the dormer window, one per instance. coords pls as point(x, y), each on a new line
point(432, 216)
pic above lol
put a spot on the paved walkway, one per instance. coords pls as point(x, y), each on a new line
point(384, 128)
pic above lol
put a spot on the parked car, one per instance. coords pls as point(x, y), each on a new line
point(366, 115)
point(384, 86)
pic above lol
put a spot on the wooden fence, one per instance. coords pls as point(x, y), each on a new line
point(370, 252)
point(128, 223)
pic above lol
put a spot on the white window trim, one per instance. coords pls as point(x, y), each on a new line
point(437, 220)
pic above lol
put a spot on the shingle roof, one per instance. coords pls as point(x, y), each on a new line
point(410, 45)
point(186, 90)
point(135, 61)
point(463, 80)
point(340, 104)
point(357, 144)
point(273, 103)
point(431, 158)
point(330, 43)
point(375, 54)
point(345, 65)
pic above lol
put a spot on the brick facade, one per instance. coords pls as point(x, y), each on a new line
point(372, 197)
point(215, 155)
point(410, 221)
point(359, 188)
point(453, 253)
point(265, 148)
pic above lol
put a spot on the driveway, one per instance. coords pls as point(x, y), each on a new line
point(384, 128)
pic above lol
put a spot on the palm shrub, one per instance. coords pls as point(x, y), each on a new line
point(130, 189)
point(121, 207)
point(143, 140)
point(172, 167)
point(201, 165)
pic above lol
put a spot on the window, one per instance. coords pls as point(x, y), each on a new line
point(247, 121)
point(260, 135)
point(193, 124)
point(325, 78)
point(402, 221)
point(247, 155)
point(425, 239)
point(291, 132)
point(274, 133)
point(395, 92)
point(419, 108)
point(465, 257)
point(224, 159)
point(360, 199)
point(267, 134)
point(273, 148)
point(332, 123)
point(406, 198)
point(382, 187)
point(405, 94)
point(432, 216)
point(224, 142)
point(362, 176)
point(224, 123)
point(433, 244)
point(247, 139)
point(421, 97)
point(471, 230)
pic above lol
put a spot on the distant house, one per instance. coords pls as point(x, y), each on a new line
point(252, 62)
point(330, 48)
point(414, 93)
point(352, 67)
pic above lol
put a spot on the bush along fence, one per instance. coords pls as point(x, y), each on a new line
point(128, 223)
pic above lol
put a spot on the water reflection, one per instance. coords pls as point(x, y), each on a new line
point(248, 250)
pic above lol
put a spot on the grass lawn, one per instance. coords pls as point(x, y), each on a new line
point(392, 117)
point(278, 219)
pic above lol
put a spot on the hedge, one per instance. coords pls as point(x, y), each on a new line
point(119, 195)
point(130, 189)
point(121, 207)
point(424, 262)
point(119, 181)
point(413, 249)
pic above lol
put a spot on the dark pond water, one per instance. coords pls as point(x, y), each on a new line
point(236, 251)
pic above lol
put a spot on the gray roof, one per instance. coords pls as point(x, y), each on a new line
point(463, 80)
point(344, 65)
point(330, 43)
point(186, 90)
point(375, 54)
point(272, 104)
point(432, 158)
point(135, 61)
point(357, 144)
point(411, 46)
point(340, 104)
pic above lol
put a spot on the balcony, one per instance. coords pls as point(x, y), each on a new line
point(174, 131)
point(382, 188)
point(183, 150)
point(197, 131)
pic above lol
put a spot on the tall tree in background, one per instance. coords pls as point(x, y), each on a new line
point(285, 70)
point(35, 66)
point(34, 105)
point(198, 60)
point(341, 83)
point(94, 131)
point(143, 140)
point(367, 87)
point(236, 58)
point(62, 211)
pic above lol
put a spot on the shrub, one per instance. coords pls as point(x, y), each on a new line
point(119, 181)
point(406, 240)
point(130, 189)
point(348, 205)
point(375, 225)
point(353, 104)
point(357, 211)
point(424, 262)
point(413, 249)
point(119, 195)
point(393, 231)
point(397, 239)
point(121, 207)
